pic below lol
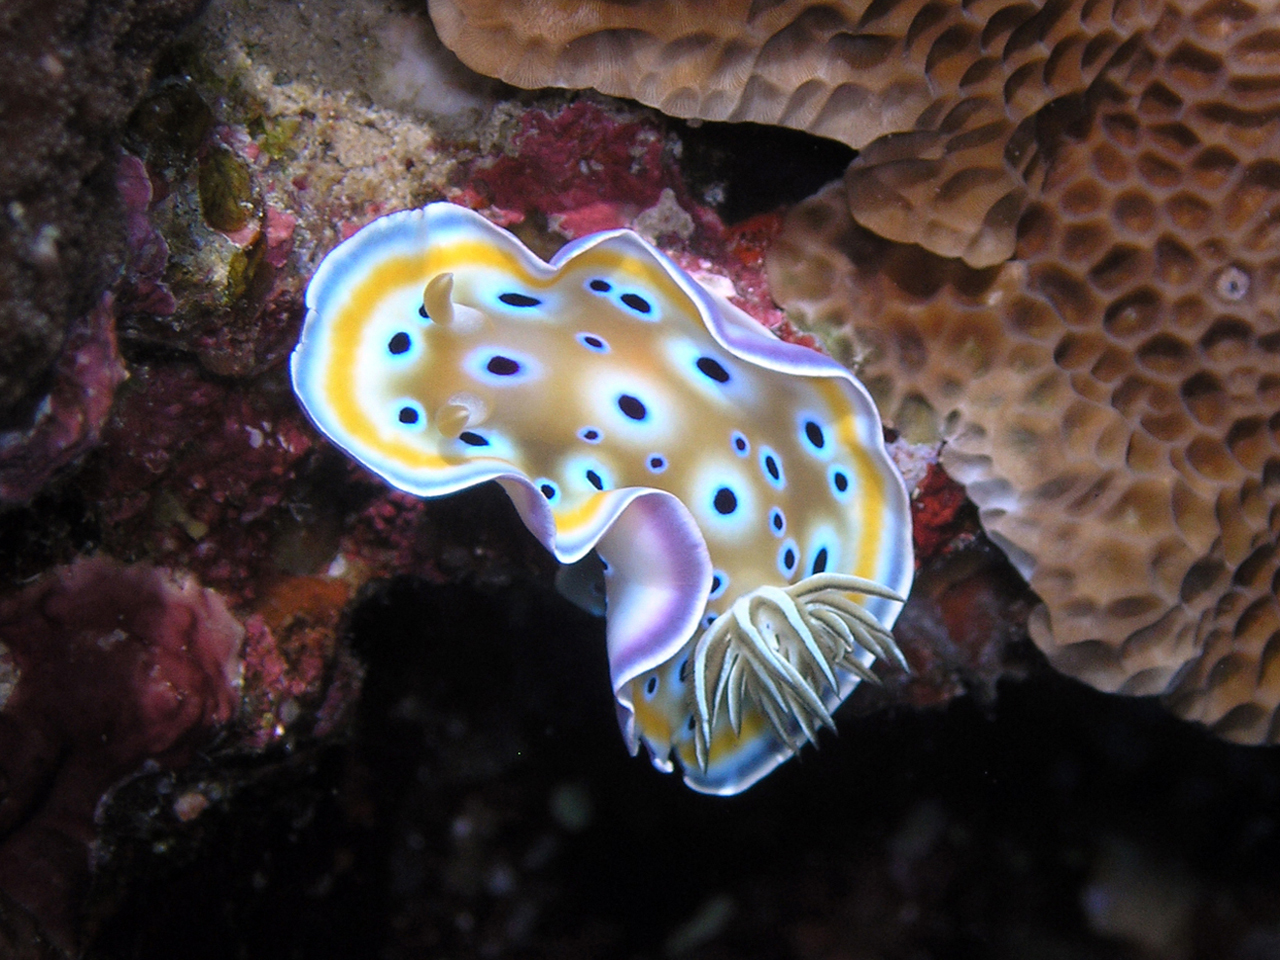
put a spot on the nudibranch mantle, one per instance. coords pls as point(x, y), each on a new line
point(754, 535)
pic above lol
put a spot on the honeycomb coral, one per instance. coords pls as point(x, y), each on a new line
point(942, 98)
point(1111, 395)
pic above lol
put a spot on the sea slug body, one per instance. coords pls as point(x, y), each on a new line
point(753, 534)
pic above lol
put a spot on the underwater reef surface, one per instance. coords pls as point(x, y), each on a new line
point(71, 74)
point(254, 702)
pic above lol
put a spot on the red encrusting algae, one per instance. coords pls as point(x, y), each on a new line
point(107, 666)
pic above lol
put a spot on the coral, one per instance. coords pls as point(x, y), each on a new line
point(71, 417)
point(425, 76)
point(105, 666)
point(941, 99)
point(71, 74)
point(1110, 396)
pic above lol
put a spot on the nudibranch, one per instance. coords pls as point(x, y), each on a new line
point(753, 534)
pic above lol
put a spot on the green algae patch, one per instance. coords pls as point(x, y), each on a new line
point(226, 199)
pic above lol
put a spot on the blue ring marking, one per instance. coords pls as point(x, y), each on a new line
point(725, 501)
point(409, 414)
point(502, 366)
point(636, 303)
point(771, 467)
point(823, 549)
point(712, 369)
point(632, 408)
point(521, 300)
point(484, 363)
point(585, 473)
point(815, 434)
point(839, 481)
point(593, 342)
point(819, 563)
point(401, 348)
point(777, 522)
point(788, 551)
point(719, 584)
point(549, 489)
point(736, 523)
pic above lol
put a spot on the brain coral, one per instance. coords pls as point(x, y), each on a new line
point(1112, 396)
point(941, 98)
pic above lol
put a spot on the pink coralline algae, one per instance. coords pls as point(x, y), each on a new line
point(106, 666)
point(293, 665)
point(72, 416)
point(210, 239)
point(197, 473)
point(143, 288)
point(582, 167)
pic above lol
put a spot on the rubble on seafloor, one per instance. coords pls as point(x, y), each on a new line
point(241, 678)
